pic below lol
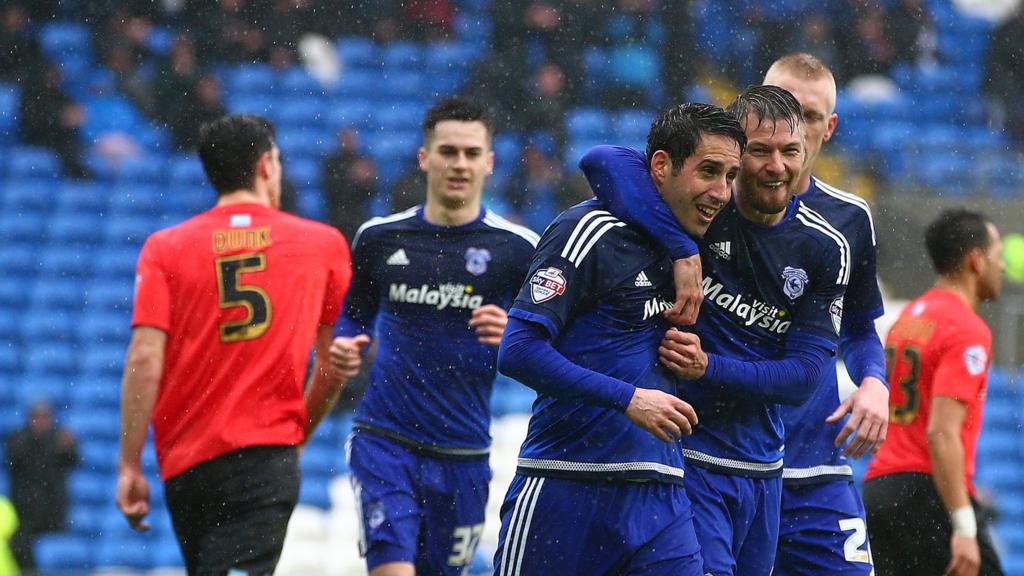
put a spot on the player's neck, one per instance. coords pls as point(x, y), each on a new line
point(966, 290)
point(243, 196)
point(440, 215)
point(804, 183)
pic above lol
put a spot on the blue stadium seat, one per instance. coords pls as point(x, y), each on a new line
point(53, 386)
point(62, 551)
point(587, 123)
point(403, 55)
point(147, 169)
point(305, 142)
point(116, 264)
point(128, 230)
point(104, 327)
point(360, 84)
point(349, 113)
point(50, 358)
point(91, 488)
point(10, 100)
point(110, 294)
point(99, 453)
point(357, 52)
point(58, 38)
point(187, 170)
point(103, 359)
point(53, 292)
point(17, 260)
point(59, 261)
point(28, 194)
point(10, 325)
point(10, 360)
point(401, 118)
point(296, 81)
point(399, 84)
point(250, 79)
point(189, 199)
point(75, 196)
point(96, 393)
point(136, 199)
point(166, 553)
point(82, 520)
point(632, 125)
point(255, 103)
point(74, 228)
point(303, 172)
point(449, 56)
point(129, 550)
point(300, 112)
point(321, 459)
point(44, 324)
point(314, 491)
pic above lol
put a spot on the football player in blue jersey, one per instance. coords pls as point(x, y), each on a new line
point(432, 285)
point(599, 484)
point(823, 520)
point(775, 275)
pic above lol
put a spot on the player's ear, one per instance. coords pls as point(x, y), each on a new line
point(830, 126)
point(976, 261)
point(661, 166)
point(421, 157)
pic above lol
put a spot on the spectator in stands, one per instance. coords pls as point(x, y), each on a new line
point(176, 79)
point(40, 455)
point(19, 53)
point(678, 56)
point(131, 81)
point(230, 32)
point(868, 48)
point(547, 101)
point(49, 118)
point(1004, 77)
point(204, 104)
point(535, 190)
point(815, 37)
point(911, 32)
point(349, 182)
point(408, 190)
point(427, 20)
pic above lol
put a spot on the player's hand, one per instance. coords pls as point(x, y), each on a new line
point(347, 354)
point(133, 497)
point(965, 557)
point(681, 353)
point(689, 280)
point(489, 322)
point(661, 414)
point(868, 407)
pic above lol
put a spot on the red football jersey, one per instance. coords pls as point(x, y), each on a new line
point(240, 291)
point(938, 347)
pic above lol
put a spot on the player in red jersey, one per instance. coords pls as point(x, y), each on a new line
point(918, 492)
point(227, 307)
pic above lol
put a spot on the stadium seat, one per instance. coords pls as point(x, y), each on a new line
point(17, 260)
point(256, 103)
point(587, 124)
point(321, 459)
point(116, 264)
point(632, 125)
point(9, 358)
point(147, 169)
point(357, 52)
point(349, 113)
point(45, 324)
point(303, 172)
point(58, 261)
point(91, 488)
point(10, 100)
point(96, 393)
point(360, 84)
point(403, 55)
point(28, 194)
point(297, 81)
point(129, 550)
point(305, 142)
point(166, 553)
point(58, 552)
point(50, 358)
point(104, 327)
point(56, 39)
point(74, 230)
point(82, 520)
point(103, 359)
point(54, 292)
point(299, 113)
point(187, 170)
point(99, 454)
point(131, 230)
point(251, 79)
point(189, 199)
point(398, 84)
point(110, 294)
point(87, 197)
point(314, 491)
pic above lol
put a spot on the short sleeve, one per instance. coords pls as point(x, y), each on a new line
point(362, 299)
point(863, 298)
point(962, 368)
point(152, 294)
point(339, 275)
point(563, 274)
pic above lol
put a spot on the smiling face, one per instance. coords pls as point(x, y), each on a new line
point(698, 189)
point(769, 168)
point(456, 158)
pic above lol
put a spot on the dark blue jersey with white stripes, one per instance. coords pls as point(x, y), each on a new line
point(763, 285)
point(415, 286)
point(598, 289)
point(811, 454)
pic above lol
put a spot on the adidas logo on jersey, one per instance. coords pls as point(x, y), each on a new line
point(722, 249)
point(398, 258)
point(642, 281)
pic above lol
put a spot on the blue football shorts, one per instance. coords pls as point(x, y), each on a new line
point(823, 531)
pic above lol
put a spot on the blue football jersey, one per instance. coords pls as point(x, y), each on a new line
point(811, 455)
point(599, 288)
point(762, 285)
point(415, 286)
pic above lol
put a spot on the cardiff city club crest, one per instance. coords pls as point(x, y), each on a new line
point(476, 260)
point(546, 284)
point(793, 282)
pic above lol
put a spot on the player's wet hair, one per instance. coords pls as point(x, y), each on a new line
point(456, 108)
point(952, 235)
point(769, 103)
point(229, 148)
point(678, 131)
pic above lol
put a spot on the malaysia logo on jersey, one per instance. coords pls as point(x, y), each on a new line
point(545, 284)
point(975, 359)
point(750, 312)
point(794, 280)
point(443, 296)
point(655, 306)
point(476, 260)
point(836, 311)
